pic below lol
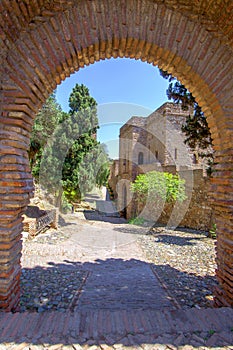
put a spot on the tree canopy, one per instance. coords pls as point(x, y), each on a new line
point(71, 162)
point(45, 123)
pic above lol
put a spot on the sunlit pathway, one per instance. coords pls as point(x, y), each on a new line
point(119, 277)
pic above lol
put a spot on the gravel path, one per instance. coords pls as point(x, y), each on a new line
point(56, 264)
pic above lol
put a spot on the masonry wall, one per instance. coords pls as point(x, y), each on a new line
point(160, 139)
point(195, 212)
point(113, 177)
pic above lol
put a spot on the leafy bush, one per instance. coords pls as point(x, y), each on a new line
point(212, 232)
point(66, 207)
point(136, 221)
point(159, 187)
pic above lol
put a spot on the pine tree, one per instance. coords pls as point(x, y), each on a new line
point(44, 125)
point(73, 162)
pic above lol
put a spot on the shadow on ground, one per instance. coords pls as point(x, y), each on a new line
point(94, 215)
point(165, 235)
point(180, 241)
point(138, 325)
point(58, 286)
point(62, 222)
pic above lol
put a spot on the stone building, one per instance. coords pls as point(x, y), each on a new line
point(157, 143)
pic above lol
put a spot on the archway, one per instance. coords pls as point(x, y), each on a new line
point(44, 42)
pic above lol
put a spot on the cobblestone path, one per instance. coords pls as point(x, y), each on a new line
point(117, 302)
point(123, 285)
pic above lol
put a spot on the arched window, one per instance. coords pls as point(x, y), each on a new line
point(140, 158)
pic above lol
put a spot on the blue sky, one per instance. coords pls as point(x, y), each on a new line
point(122, 88)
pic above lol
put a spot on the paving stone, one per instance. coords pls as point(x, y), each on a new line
point(147, 346)
point(109, 340)
point(77, 346)
point(91, 342)
point(171, 347)
point(227, 336)
point(55, 347)
point(159, 347)
point(180, 339)
point(22, 346)
point(106, 347)
point(215, 340)
point(3, 347)
point(200, 341)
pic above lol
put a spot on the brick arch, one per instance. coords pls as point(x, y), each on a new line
point(61, 37)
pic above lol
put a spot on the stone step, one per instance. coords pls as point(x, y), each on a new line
point(108, 326)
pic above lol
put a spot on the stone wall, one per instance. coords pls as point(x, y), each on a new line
point(195, 212)
point(113, 177)
point(160, 140)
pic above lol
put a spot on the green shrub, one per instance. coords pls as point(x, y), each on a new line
point(212, 232)
point(136, 221)
point(66, 206)
point(159, 187)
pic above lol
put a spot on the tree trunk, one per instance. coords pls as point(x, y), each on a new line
point(58, 201)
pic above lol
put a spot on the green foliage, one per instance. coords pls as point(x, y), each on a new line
point(159, 187)
point(84, 107)
point(212, 232)
point(136, 221)
point(110, 190)
point(196, 128)
point(66, 206)
point(103, 167)
point(71, 161)
point(45, 123)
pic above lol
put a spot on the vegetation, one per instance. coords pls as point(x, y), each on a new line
point(68, 161)
point(45, 123)
point(159, 187)
point(196, 129)
point(136, 221)
point(212, 232)
point(110, 191)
